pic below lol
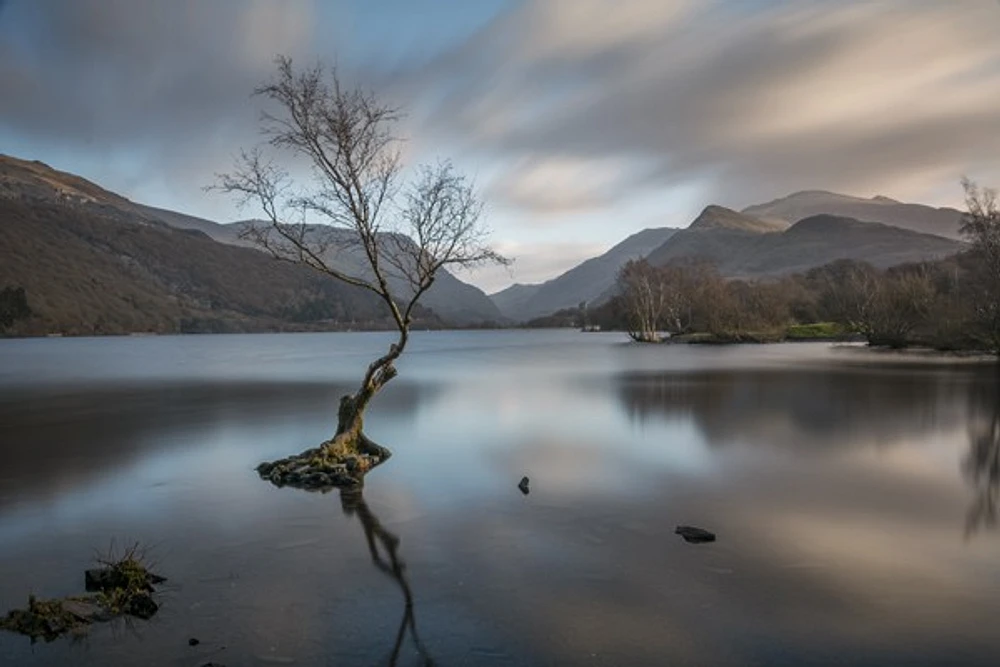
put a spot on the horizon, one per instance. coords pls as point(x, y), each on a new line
point(564, 118)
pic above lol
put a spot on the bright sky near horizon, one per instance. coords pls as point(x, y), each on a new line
point(582, 121)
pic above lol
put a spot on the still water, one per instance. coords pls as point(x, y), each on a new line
point(851, 492)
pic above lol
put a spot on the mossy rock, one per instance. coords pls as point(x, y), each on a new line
point(123, 587)
point(321, 469)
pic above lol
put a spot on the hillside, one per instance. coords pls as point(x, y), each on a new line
point(915, 217)
point(715, 217)
point(85, 272)
point(821, 239)
point(716, 235)
point(512, 300)
point(38, 184)
point(811, 242)
point(585, 282)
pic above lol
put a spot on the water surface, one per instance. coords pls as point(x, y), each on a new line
point(851, 493)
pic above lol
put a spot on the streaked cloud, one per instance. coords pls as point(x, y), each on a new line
point(533, 262)
point(569, 112)
point(889, 97)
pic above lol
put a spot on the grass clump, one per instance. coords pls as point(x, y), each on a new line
point(44, 619)
point(123, 585)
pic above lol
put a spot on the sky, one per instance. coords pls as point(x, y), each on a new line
point(580, 121)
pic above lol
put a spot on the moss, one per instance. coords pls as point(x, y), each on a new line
point(816, 331)
point(124, 586)
point(335, 464)
point(43, 619)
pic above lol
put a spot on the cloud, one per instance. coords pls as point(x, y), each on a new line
point(533, 262)
point(582, 115)
point(163, 87)
point(893, 97)
point(560, 186)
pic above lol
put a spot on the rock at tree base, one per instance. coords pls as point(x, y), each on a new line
point(316, 470)
point(694, 535)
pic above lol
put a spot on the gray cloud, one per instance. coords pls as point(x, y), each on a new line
point(161, 86)
point(574, 105)
point(894, 97)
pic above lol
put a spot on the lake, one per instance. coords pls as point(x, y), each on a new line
point(850, 491)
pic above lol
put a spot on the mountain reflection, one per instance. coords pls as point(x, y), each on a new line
point(982, 463)
point(800, 409)
point(381, 540)
point(58, 439)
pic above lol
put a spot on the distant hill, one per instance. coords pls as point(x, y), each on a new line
point(512, 300)
point(915, 217)
point(584, 282)
point(721, 218)
point(821, 239)
point(85, 272)
point(716, 235)
point(740, 250)
point(61, 200)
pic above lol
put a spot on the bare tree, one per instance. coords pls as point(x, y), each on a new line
point(643, 292)
point(883, 306)
point(405, 233)
point(981, 226)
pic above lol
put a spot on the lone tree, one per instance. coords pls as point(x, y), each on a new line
point(981, 226)
point(404, 232)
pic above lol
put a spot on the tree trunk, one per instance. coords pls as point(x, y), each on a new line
point(344, 459)
point(350, 437)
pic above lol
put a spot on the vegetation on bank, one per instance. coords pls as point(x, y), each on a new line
point(950, 304)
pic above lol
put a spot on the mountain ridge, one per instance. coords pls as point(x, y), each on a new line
point(942, 221)
point(582, 283)
point(453, 300)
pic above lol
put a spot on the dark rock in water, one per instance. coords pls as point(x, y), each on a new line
point(84, 610)
point(107, 578)
point(99, 579)
point(142, 606)
point(694, 535)
point(193, 641)
point(523, 485)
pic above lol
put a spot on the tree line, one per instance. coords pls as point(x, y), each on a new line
point(947, 304)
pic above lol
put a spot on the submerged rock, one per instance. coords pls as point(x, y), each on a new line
point(694, 535)
point(523, 485)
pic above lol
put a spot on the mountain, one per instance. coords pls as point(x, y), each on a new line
point(85, 270)
point(915, 217)
point(66, 195)
point(739, 249)
point(455, 301)
point(585, 282)
point(721, 218)
point(716, 235)
point(821, 239)
point(512, 300)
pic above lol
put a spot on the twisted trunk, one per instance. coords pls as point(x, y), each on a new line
point(350, 437)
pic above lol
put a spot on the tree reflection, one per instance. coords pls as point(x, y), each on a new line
point(384, 549)
point(982, 463)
